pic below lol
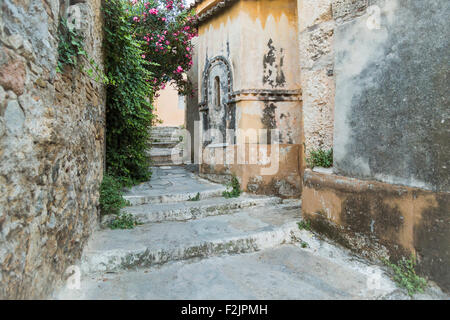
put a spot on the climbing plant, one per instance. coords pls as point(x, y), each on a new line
point(71, 52)
point(129, 98)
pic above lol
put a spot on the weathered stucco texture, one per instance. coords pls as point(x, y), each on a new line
point(390, 195)
point(316, 59)
point(252, 46)
point(392, 105)
point(51, 146)
point(380, 220)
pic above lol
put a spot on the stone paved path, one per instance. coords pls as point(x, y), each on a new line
point(215, 248)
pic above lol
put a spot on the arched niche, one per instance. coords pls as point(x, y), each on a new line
point(218, 114)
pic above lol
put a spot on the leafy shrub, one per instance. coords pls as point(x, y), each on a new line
point(405, 275)
point(129, 96)
point(124, 221)
point(111, 200)
point(235, 191)
point(320, 158)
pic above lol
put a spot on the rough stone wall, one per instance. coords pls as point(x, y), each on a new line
point(316, 35)
point(392, 103)
point(51, 146)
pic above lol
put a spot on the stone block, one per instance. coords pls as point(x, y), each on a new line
point(312, 12)
point(348, 9)
point(12, 76)
point(317, 46)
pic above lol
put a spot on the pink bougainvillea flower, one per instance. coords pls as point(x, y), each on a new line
point(153, 11)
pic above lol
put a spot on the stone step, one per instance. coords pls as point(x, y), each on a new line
point(164, 144)
point(163, 128)
point(166, 161)
point(165, 137)
point(165, 164)
point(157, 243)
point(188, 210)
point(283, 272)
point(172, 188)
point(165, 152)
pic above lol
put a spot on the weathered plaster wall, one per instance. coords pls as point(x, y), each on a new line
point(259, 40)
point(51, 147)
point(392, 105)
point(380, 220)
point(316, 36)
point(390, 124)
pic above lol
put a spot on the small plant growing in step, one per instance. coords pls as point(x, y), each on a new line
point(320, 158)
point(304, 244)
point(196, 198)
point(124, 221)
point(405, 275)
point(304, 225)
point(235, 191)
point(111, 196)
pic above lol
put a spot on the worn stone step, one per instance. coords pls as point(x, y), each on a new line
point(165, 152)
point(187, 210)
point(157, 243)
point(165, 144)
point(165, 164)
point(179, 185)
point(166, 138)
point(283, 272)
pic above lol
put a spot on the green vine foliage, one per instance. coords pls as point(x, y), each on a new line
point(71, 52)
point(129, 96)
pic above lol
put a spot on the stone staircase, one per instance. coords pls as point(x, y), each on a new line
point(175, 228)
point(215, 248)
point(166, 146)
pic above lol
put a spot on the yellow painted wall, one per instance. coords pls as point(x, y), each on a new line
point(244, 34)
point(241, 33)
point(167, 108)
